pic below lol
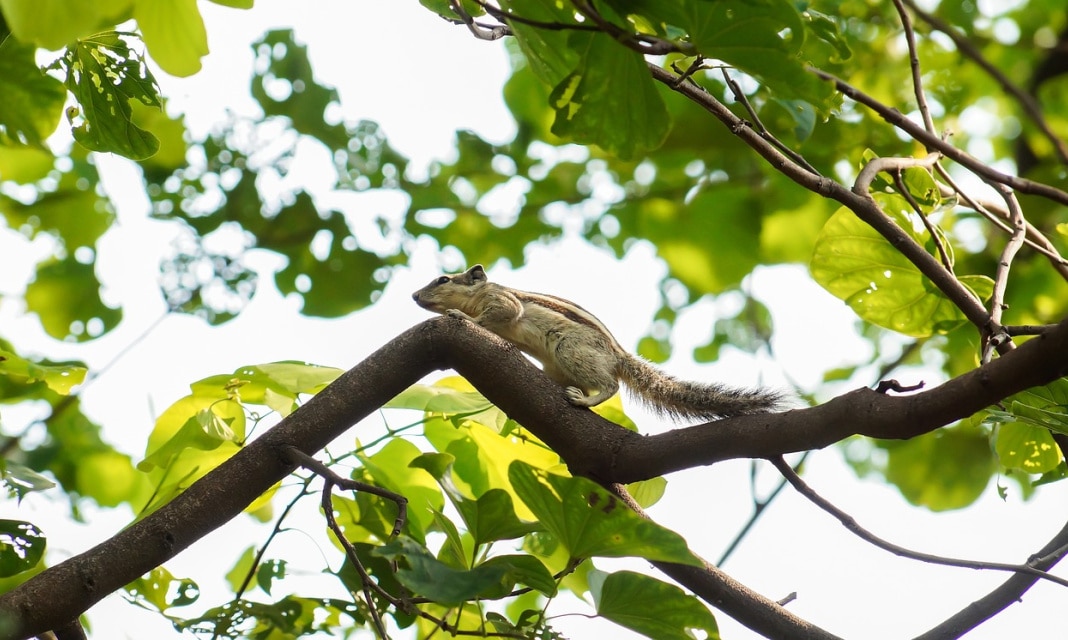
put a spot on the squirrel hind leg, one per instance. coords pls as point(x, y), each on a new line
point(579, 398)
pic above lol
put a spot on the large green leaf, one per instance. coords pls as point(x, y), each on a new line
point(1027, 448)
point(391, 468)
point(610, 100)
point(54, 24)
point(942, 470)
point(762, 38)
point(859, 266)
point(104, 74)
point(32, 102)
point(588, 521)
point(651, 607)
point(174, 34)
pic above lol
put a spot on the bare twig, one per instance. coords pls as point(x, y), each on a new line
point(936, 237)
point(482, 32)
point(1028, 329)
point(969, 50)
point(759, 506)
point(998, 337)
point(740, 96)
point(931, 141)
point(1000, 217)
point(914, 62)
point(850, 523)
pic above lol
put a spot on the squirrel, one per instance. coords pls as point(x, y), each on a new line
point(579, 353)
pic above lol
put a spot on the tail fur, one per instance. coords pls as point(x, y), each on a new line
point(683, 399)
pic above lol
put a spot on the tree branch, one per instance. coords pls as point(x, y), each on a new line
point(934, 143)
point(861, 204)
point(850, 523)
point(592, 447)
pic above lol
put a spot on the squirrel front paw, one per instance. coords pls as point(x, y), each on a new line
point(456, 313)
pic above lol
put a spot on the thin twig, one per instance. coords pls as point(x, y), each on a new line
point(850, 523)
point(914, 63)
point(936, 238)
point(759, 506)
point(482, 32)
point(1028, 329)
point(931, 141)
point(740, 96)
point(999, 216)
point(969, 50)
point(998, 336)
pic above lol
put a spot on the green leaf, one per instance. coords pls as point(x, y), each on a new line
point(857, 265)
point(74, 213)
point(648, 492)
point(1027, 448)
point(160, 589)
point(521, 569)
point(431, 578)
point(23, 164)
point(59, 378)
point(205, 430)
point(33, 102)
point(65, 295)
point(390, 468)
point(236, 576)
point(589, 521)
point(492, 517)
point(653, 608)
point(109, 477)
point(174, 34)
point(762, 38)
point(268, 572)
point(21, 480)
point(54, 24)
point(104, 74)
point(942, 470)
point(22, 545)
point(610, 100)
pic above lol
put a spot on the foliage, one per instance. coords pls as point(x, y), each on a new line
point(603, 149)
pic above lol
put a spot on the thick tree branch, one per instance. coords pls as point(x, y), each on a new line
point(591, 446)
point(863, 411)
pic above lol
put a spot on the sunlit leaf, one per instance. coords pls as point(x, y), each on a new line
point(649, 606)
point(22, 545)
point(104, 74)
point(33, 102)
point(160, 589)
point(1027, 448)
point(856, 264)
point(59, 378)
point(589, 521)
point(174, 34)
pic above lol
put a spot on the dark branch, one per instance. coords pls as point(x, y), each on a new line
point(850, 523)
point(592, 447)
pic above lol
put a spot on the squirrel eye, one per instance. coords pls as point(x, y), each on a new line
point(443, 279)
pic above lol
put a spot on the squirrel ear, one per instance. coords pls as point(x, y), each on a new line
point(477, 272)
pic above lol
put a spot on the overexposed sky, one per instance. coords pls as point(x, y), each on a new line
point(421, 79)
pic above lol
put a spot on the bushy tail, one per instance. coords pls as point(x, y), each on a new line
point(683, 399)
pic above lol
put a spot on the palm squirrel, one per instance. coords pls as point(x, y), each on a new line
point(578, 352)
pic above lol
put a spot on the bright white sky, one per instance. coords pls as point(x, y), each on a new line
point(421, 78)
